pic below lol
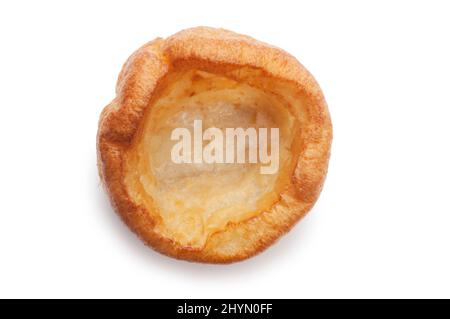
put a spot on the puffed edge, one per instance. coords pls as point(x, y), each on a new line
point(137, 88)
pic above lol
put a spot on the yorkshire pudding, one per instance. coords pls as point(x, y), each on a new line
point(215, 212)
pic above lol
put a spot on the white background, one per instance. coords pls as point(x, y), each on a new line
point(381, 227)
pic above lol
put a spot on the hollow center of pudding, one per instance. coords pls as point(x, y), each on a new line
point(192, 200)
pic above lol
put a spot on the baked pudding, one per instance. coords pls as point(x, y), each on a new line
point(208, 205)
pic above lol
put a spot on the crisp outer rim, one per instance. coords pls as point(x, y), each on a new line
point(137, 87)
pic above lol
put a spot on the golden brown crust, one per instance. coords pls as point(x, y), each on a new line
point(140, 82)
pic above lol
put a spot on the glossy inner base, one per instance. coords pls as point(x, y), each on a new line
point(192, 201)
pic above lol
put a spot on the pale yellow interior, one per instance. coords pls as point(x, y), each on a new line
point(192, 201)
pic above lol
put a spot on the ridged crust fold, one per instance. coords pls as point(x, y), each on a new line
point(140, 82)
